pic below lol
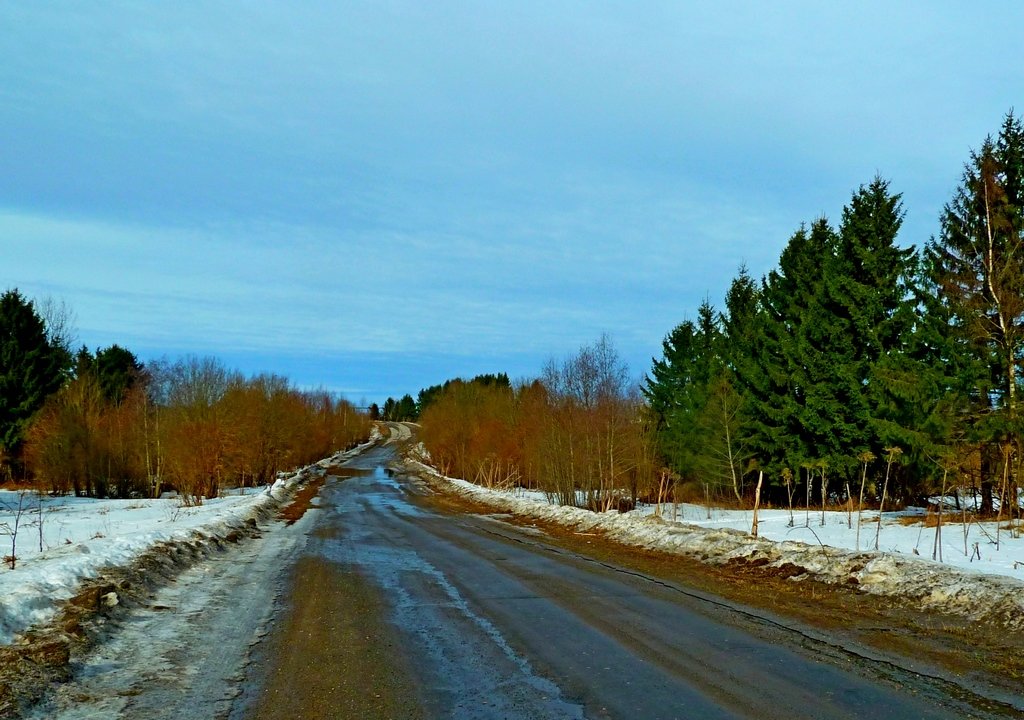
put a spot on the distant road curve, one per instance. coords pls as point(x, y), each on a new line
point(398, 432)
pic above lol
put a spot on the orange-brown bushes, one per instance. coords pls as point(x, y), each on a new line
point(192, 426)
point(80, 442)
point(469, 431)
point(579, 434)
point(242, 432)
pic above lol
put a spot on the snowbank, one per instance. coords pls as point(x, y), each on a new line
point(82, 536)
point(978, 589)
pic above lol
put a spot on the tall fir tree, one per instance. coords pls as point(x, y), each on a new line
point(678, 386)
point(740, 322)
point(31, 368)
point(826, 398)
point(922, 390)
point(979, 258)
point(775, 379)
point(865, 286)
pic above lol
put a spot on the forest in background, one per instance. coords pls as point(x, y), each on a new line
point(103, 424)
point(858, 365)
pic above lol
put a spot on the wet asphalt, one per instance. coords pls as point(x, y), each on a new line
point(489, 621)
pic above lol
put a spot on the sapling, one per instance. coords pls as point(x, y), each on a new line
point(662, 491)
point(963, 511)
point(807, 504)
point(757, 501)
point(849, 507)
point(893, 453)
point(824, 491)
point(39, 519)
point(7, 528)
point(937, 546)
point(787, 479)
point(865, 457)
point(1003, 496)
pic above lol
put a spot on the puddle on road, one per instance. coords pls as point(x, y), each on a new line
point(308, 496)
point(343, 472)
point(369, 488)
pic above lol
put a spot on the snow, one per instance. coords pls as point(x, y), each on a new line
point(81, 536)
point(184, 654)
point(990, 588)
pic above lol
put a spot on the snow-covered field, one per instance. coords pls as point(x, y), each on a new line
point(81, 536)
point(991, 587)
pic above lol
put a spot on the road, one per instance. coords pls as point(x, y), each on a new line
point(399, 609)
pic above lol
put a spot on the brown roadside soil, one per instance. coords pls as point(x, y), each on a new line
point(341, 646)
point(983, 655)
point(302, 500)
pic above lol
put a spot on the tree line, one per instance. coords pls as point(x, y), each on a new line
point(859, 366)
point(406, 409)
point(857, 355)
point(576, 432)
point(104, 424)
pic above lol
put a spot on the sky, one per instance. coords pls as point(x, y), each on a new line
point(372, 197)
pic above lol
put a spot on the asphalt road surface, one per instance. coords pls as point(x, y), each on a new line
point(398, 609)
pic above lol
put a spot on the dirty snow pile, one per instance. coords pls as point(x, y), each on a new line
point(80, 536)
point(991, 587)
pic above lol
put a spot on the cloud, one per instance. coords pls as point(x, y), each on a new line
point(472, 182)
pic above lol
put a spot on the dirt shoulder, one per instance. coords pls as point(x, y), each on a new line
point(980, 656)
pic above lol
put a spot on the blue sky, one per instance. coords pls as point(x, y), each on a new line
point(376, 196)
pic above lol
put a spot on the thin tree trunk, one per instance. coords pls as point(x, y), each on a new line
point(824, 494)
point(39, 508)
point(807, 506)
point(1003, 490)
point(881, 506)
point(757, 501)
point(937, 548)
point(789, 494)
point(732, 465)
point(849, 507)
point(963, 519)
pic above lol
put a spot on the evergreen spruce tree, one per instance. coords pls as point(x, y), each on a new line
point(774, 381)
point(819, 348)
point(979, 259)
point(31, 368)
point(740, 321)
point(678, 386)
point(669, 376)
point(117, 371)
point(860, 322)
point(921, 391)
point(726, 453)
point(405, 409)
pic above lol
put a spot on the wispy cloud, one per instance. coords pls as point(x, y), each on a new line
point(473, 185)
